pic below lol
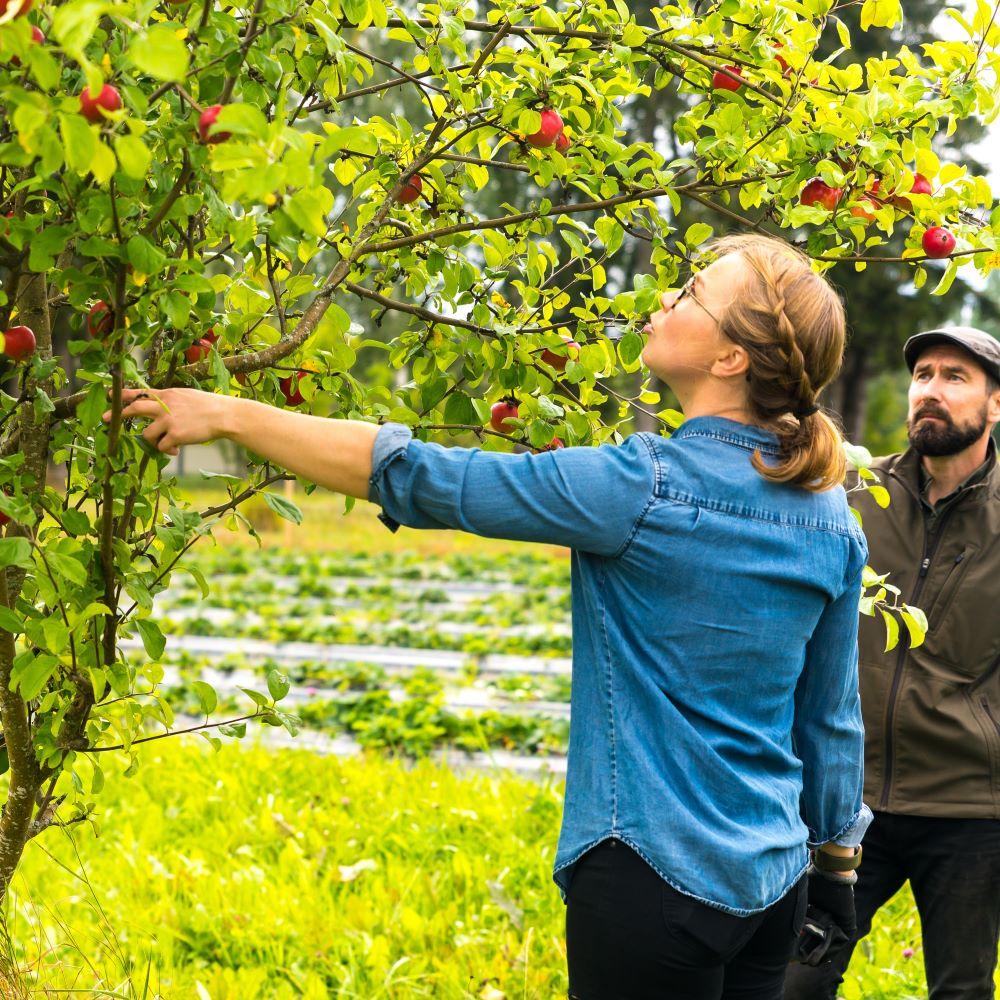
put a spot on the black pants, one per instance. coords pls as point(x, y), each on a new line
point(953, 866)
point(630, 936)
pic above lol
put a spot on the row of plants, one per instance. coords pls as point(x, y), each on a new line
point(533, 566)
point(500, 608)
point(360, 675)
point(356, 629)
point(406, 715)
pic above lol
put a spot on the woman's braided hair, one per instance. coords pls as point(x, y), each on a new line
point(791, 322)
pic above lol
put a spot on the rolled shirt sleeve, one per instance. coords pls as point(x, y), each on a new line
point(590, 499)
point(828, 734)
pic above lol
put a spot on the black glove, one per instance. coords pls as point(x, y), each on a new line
point(830, 920)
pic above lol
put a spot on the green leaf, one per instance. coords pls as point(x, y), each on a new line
point(277, 684)
point(880, 13)
point(283, 507)
point(859, 456)
point(75, 521)
point(242, 120)
point(207, 698)
point(144, 256)
point(309, 208)
point(354, 138)
point(942, 287)
point(10, 620)
point(79, 142)
point(16, 552)
point(891, 630)
point(46, 245)
point(153, 640)
point(66, 567)
point(159, 53)
point(630, 347)
point(36, 675)
point(916, 633)
point(133, 156)
point(459, 409)
point(880, 495)
point(74, 24)
point(697, 234)
point(916, 624)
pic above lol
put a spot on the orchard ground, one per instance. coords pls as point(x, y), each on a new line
point(259, 873)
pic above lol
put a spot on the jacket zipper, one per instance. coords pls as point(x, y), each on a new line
point(897, 676)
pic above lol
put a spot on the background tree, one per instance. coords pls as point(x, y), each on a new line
point(204, 194)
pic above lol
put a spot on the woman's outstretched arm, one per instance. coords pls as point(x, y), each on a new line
point(334, 454)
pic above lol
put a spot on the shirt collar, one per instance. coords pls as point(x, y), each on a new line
point(925, 478)
point(748, 435)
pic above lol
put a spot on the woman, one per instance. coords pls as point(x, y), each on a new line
point(716, 729)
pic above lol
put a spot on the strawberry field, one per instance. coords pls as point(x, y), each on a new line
point(400, 845)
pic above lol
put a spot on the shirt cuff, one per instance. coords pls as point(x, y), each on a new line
point(391, 443)
point(853, 833)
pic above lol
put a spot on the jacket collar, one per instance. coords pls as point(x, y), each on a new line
point(748, 436)
point(907, 469)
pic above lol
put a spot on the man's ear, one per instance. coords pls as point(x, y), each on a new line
point(993, 407)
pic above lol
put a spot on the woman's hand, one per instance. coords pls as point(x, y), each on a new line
point(178, 416)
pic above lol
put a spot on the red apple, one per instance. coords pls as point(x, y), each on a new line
point(92, 106)
point(548, 132)
point(198, 351)
point(818, 192)
point(920, 185)
point(19, 343)
point(210, 336)
point(562, 143)
point(865, 208)
point(4, 519)
point(100, 322)
point(554, 445)
point(206, 121)
point(727, 78)
point(501, 413)
point(410, 191)
point(25, 7)
point(938, 242)
point(291, 390)
point(558, 361)
point(781, 60)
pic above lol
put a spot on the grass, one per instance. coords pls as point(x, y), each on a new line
point(250, 874)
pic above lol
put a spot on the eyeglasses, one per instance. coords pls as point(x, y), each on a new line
point(687, 289)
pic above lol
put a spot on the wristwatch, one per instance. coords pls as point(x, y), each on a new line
point(834, 863)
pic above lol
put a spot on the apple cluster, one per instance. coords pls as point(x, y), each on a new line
point(937, 241)
point(506, 410)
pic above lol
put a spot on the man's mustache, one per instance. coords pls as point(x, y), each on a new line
point(930, 411)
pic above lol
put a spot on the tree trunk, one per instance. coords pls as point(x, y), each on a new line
point(33, 442)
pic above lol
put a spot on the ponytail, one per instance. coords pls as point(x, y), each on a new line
point(792, 324)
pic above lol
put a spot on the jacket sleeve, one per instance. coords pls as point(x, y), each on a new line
point(828, 734)
point(589, 499)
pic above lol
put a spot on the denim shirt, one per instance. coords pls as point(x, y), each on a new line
point(715, 719)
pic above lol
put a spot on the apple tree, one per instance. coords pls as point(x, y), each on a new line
point(233, 194)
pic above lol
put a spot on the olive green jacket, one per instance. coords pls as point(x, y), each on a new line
point(932, 714)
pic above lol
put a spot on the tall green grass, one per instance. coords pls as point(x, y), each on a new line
point(256, 874)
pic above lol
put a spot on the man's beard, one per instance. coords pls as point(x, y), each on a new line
point(945, 437)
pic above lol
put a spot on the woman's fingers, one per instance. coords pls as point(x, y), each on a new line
point(139, 403)
point(154, 431)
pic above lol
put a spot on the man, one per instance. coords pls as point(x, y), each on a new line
point(932, 713)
